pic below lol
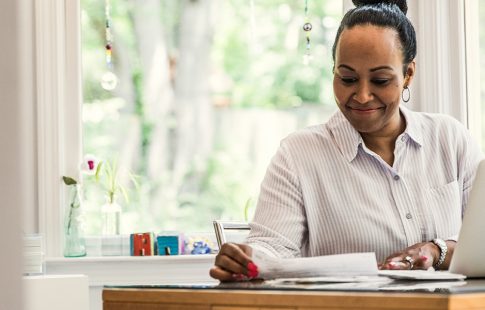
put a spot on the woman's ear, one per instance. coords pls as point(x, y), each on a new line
point(410, 71)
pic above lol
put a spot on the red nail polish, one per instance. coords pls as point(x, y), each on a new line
point(252, 267)
point(424, 258)
point(252, 273)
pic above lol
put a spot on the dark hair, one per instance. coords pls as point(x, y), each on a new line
point(382, 13)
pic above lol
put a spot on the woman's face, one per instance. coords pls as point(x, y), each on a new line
point(368, 78)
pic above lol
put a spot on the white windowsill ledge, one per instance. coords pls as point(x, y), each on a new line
point(130, 270)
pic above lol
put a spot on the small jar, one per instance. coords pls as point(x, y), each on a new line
point(111, 242)
point(111, 213)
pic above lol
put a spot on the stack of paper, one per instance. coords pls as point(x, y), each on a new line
point(348, 265)
point(342, 268)
point(33, 254)
point(426, 275)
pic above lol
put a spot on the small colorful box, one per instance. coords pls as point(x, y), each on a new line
point(142, 244)
point(168, 244)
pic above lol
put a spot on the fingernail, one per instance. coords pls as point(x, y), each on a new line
point(394, 265)
point(252, 273)
point(424, 258)
point(238, 276)
point(252, 267)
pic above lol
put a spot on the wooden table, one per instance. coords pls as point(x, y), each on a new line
point(170, 298)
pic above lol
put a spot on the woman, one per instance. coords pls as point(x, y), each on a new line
point(376, 177)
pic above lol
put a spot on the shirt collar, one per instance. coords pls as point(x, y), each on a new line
point(413, 125)
point(348, 139)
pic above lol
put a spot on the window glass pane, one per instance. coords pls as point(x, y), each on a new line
point(205, 91)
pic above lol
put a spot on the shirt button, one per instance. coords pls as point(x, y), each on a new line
point(409, 216)
point(396, 177)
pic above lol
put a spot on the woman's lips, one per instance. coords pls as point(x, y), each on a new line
point(364, 110)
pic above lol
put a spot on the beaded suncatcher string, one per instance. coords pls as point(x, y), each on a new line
point(109, 80)
point(307, 27)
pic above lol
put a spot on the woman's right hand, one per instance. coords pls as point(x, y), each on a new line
point(233, 263)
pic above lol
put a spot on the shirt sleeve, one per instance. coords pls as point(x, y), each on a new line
point(469, 156)
point(279, 226)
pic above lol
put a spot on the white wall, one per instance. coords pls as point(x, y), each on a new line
point(15, 160)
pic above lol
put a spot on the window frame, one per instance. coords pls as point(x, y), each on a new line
point(59, 123)
point(472, 46)
point(59, 91)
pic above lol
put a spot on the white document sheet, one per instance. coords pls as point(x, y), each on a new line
point(425, 275)
point(348, 265)
point(330, 279)
point(430, 286)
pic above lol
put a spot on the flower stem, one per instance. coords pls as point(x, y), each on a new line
point(70, 218)
point(72, 205)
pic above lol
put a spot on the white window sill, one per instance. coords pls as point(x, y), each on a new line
point(131, 270)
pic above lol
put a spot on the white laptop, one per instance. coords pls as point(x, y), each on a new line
point(469, 256)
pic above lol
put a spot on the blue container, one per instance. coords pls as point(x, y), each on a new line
point(168, 245)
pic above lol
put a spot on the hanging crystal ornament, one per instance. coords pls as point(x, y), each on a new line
point(307, 27)
point(109, 80)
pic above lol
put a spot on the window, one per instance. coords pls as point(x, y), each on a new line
point(204, 94)
point(440, 86)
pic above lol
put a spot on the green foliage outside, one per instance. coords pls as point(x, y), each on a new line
point(257, 52)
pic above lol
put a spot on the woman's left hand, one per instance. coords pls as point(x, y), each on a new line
point(419, 256)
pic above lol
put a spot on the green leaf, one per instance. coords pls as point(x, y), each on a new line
point(98, 170)
point(125, 194)
point(246, 209)
point(69, 180)
point(134, 178)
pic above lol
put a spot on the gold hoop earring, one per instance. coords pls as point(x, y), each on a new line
point(408, 95)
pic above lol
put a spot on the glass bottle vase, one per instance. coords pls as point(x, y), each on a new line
point(74, 239)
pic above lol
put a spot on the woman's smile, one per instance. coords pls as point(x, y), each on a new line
point(364, 111)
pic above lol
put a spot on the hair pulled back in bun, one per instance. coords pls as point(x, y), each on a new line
point(382, 13)
point(402, 4)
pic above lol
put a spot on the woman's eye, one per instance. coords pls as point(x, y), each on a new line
point(348, 80)
point(380, 81)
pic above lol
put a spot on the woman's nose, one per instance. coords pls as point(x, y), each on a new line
point(363, 94)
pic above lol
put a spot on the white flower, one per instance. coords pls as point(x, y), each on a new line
point(90, 164)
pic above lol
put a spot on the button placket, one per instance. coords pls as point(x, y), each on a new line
point(404, 206)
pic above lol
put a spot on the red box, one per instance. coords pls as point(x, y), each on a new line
point(142, 244)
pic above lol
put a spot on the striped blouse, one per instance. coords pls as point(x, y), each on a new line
point(326, 193)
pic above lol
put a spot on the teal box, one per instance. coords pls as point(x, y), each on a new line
point(168, 245)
